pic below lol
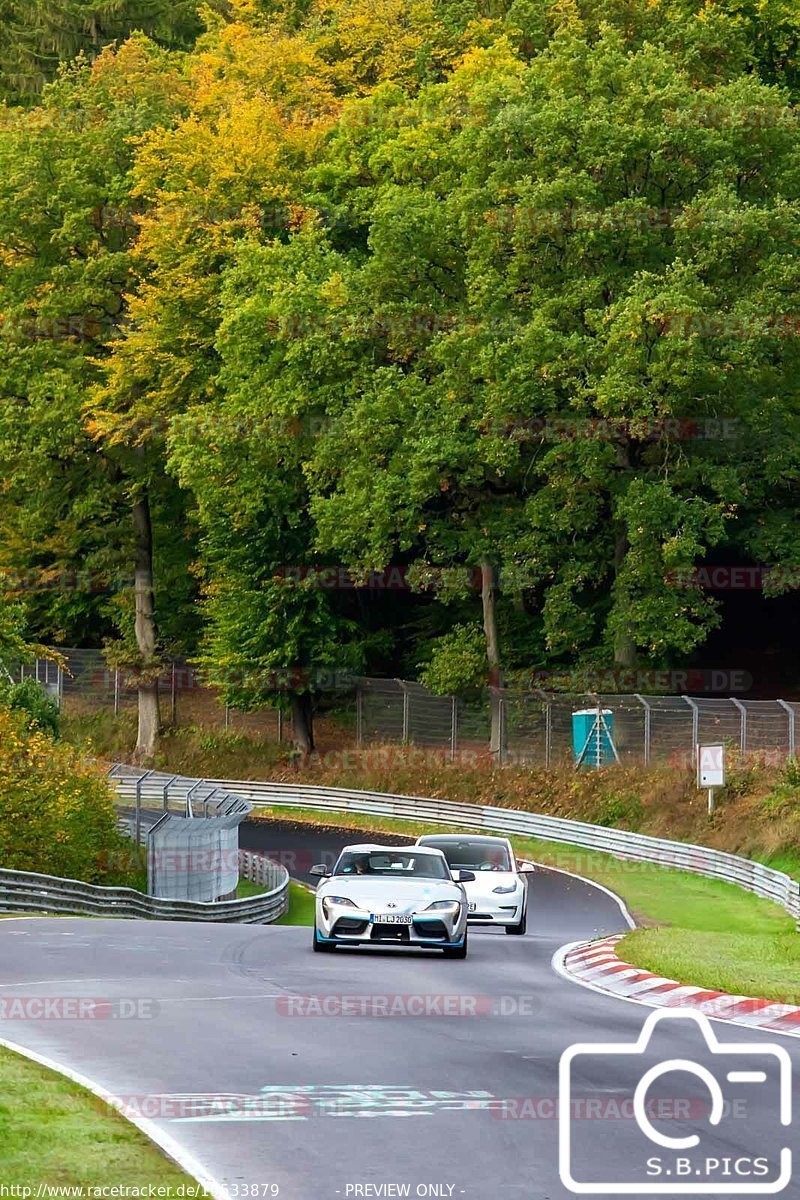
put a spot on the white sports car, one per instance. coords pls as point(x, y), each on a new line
point(497, 893)
point(395, 895)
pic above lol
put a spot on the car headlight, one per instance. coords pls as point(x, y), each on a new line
point(443, 906)
point(342, 901)
point(505, 891)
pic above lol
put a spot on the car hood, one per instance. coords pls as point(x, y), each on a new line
point(486, 881)
point(407, 894)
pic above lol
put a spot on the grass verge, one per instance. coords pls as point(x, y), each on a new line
point(53, 1131)
point(696, 930)
point(301, 907)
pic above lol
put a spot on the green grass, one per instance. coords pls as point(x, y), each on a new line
point(246, 889)
point(54, 1132)
point(787, 861)
point(301, 907)
point(301, 902)
point(747, 964)
point(699, 931)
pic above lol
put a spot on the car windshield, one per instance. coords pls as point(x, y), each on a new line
point(404, 864)
point(475, 855)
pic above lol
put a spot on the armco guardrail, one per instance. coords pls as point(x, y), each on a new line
point(698, 860)
point(23, 891)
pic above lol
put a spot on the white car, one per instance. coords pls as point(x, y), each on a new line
point(392, 895)
point(498, 891)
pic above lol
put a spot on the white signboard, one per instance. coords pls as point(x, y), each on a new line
point(710, 766)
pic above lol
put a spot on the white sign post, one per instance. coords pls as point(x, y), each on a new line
point(710, 770)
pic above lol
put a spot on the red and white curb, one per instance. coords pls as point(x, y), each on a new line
point(597, 965)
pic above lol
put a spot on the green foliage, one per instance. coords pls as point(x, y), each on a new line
point(57, 816)
point(28, 697)
point(398, 286)
point(791, 772)
point(620, 810)
point(458, 662)
point(36, 36)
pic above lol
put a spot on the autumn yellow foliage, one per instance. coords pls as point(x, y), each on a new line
point(56, 811)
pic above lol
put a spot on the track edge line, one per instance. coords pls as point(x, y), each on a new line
point(165, 1142)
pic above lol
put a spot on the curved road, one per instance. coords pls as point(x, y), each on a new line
point(258, 1057)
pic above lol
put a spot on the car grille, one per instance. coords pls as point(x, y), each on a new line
point(393, 933)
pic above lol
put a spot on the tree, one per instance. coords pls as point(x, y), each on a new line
point(37, 37)
point(72, 503)
point(265, 96)
point(551, 241)
point(273, 634)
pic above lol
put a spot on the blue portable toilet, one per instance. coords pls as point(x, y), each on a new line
point(592, 738)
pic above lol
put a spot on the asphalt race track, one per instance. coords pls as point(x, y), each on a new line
point(257, 1056)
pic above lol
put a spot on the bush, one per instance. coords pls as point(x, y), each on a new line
point(56, 812)
point(791, 772)
point(623, 810)
point(30, 698)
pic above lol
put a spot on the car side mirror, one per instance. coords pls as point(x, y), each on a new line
point(320, 869)
point(465, 876)
point(524, 867)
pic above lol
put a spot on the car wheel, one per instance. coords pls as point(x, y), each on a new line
point(322, 947)
point(520, 928)
point(457, 951)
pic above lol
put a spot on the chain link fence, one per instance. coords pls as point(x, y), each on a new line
point(531, 726)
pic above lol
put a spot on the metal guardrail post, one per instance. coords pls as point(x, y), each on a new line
point(695, 727)
point(742, 725)
point(165, 792)
point(548, 726)
point(406, 710)
point(189, 794)
point(646, 707)
point(138, 820)
point(790, 714)
point(152, 865)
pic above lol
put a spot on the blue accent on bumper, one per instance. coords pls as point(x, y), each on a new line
point(369, 942)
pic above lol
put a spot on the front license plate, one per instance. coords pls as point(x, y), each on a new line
point(473, 908)
point(389, 919)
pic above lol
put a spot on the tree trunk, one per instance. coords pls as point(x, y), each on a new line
point(489, 603)
point(302, 724)
point(146, 639)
